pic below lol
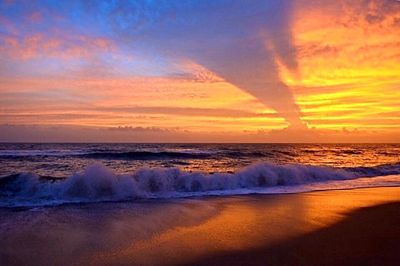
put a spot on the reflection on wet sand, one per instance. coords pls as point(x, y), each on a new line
point(367, 236)
point(246, 223)
point(177, 231)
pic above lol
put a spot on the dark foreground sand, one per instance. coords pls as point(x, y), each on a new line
point(344, 227)
point(368, 236)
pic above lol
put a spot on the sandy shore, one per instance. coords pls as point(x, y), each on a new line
point(368, 236)
point(351, 227)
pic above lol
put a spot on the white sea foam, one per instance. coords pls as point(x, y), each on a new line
point(98, 183)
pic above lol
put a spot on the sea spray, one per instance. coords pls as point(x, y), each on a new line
point(98, 183)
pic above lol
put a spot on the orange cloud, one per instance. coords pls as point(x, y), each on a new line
point(191, 101)
point(37, 45)
point(349, 64)
point(343, 69)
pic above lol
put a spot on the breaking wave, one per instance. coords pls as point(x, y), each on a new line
point(98, 183)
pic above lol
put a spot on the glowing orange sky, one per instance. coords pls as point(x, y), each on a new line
point(345, 82)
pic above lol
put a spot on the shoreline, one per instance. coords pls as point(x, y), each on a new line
point(195, 231)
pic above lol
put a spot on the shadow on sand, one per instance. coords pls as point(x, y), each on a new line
point(368, 236)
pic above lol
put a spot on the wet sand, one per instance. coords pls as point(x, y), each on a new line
point(367, 236)
point(351, 227)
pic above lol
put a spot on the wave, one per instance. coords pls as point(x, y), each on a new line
point(146, 155)
point(379, 170)
point(98, 183)
point(131, 155)
point(23, 154)
point(167, 155)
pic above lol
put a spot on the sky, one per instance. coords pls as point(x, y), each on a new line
point(200, 71)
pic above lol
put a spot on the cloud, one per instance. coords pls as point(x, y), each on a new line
point(377, 11)
point(348, 60)
point(215, 67)
point(186, 111)
point(35, 17)
point(67, 133)
point(240, 42)
point(142, 129)
point(38, 45)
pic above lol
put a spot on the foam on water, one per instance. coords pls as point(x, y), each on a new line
point(98, 183)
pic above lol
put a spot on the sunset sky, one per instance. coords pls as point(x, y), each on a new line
point(193, 71)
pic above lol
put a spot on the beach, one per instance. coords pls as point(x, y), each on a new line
point(172, 133)
point(357, 226)
point(368, 236)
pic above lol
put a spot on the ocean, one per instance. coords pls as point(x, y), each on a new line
point(59, 173)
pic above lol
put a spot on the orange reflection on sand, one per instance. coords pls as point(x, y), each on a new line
point(238, 226)
point(245, 223)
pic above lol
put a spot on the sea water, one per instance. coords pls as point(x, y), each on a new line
point(52, 174)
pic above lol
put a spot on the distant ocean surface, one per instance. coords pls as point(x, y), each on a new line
point(46, 174)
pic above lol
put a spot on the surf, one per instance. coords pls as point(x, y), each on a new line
point(97, 183)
